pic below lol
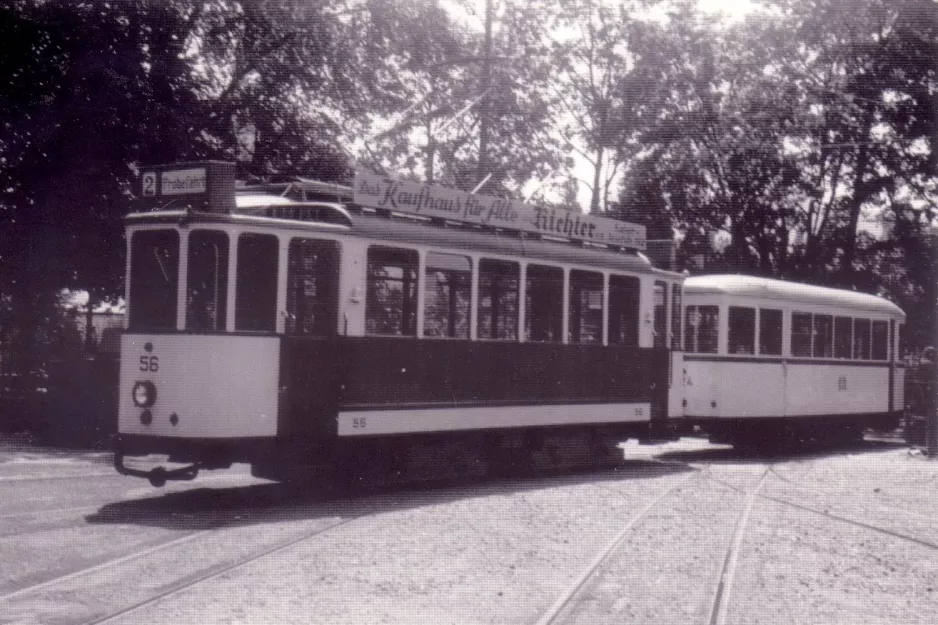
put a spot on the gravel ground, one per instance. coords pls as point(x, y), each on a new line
point(834, 537)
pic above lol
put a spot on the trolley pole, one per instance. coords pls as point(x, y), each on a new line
point(929, 381)
point(931, 423)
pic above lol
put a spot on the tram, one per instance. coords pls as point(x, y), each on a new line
point(305, 327)
point(768, 361)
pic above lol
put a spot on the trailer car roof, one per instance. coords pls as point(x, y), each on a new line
point(767, 288)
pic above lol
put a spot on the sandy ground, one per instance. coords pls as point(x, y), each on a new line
point(842, 536)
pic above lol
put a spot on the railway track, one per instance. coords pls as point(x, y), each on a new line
point(213, 573)
point(551, 615)
point(100, 606)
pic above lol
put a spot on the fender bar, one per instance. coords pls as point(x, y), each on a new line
point(157, 476)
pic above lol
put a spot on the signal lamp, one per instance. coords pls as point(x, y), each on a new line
point(144, 394)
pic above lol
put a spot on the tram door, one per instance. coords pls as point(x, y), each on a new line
point(312, 288)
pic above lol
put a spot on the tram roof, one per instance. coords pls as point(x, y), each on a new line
point(252, 207)
point(754, 287)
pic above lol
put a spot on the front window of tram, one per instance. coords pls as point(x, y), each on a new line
point(154, 277)
point(207, 280)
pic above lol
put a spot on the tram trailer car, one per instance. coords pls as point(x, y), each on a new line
point(769, 362)
point(271, 327)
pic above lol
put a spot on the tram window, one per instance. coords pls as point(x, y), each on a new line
point(498, 299)
point(823, 336)
point(770, 332)
point(903, 341)
point(207, 297)
point(742, 330)
point(543, 304)
point(391, 300)
point(446, 309)
point(312, 287)
point(861, 339)
point(880, 349)
point(676, 341)
point(843, 330)
point(154, 279)
point(801, 334)
point(624, 298)
point(661, 314)
point(586, 307)
point(256, 291)
point(701, 329)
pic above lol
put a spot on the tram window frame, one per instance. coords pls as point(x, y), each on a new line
point(823, 340)
point(585, 307)
point(660, 314)
point(862, 329)
point(741, 330)
point(707, 327)
point(403, 321)
point(902, 338)
point(312, 298)
point(256, 279)
point(449, 319)
point(843, 337)
point(802, 334)
point(207, 315)
point(676, 304)
point(543, 312)
point(153, 306)
point(498, 297)
point(770, 329)
point(625, 296)
point(879, 340)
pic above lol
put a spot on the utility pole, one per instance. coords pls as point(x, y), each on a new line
point(484, 108)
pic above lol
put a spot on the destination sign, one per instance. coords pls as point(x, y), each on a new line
point(433, 201)
point(202, 186)
point(183, 181)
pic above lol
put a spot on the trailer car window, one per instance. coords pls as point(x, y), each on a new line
point(770, 332)
point(624, 296)
point(861, 339)
point(154, 279)
point(207, 282)
point(676, 341)
point(446, 309)
point(701, 329)
point(256, 290)
point(880, 349)
point(543, 304)
point(661, 314)
point(312, 287)
point(586, 307)
point(843, 330)
point(801, 334)
point(498, 299)
point(742, 330)
point(391, 300)
point(823, 336)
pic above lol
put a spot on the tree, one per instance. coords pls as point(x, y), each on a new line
point(92, 90)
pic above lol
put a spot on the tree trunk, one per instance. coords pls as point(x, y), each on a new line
point(856, 204)
point(597, 178)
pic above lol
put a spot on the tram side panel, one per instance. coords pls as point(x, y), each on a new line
point(196, 389)
point(350, 387)
point(817, 389)
point(722, 389)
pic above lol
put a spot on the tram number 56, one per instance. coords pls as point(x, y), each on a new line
point(150, 364)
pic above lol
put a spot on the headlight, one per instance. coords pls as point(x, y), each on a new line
point(144, 394)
